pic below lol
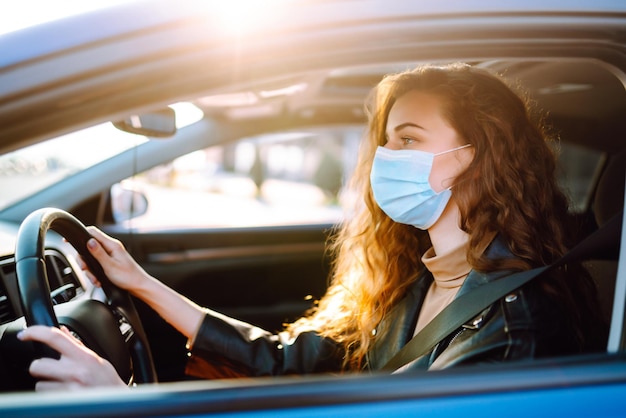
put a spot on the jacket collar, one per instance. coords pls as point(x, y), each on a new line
point(496, 249)
point(397, 328)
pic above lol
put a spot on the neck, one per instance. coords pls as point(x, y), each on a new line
point(445, 234)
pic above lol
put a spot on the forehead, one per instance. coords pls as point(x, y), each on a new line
point(423, 109)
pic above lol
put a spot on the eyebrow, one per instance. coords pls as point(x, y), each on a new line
point(408, 124)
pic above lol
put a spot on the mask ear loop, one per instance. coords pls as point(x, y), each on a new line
point(452, 150)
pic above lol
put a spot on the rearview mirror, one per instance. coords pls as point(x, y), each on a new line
point(159, 123)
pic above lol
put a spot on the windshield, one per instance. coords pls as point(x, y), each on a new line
point(29, 170)
point(26, 13)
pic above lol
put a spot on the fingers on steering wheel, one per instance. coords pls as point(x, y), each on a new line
point(49, 386)
point(109, 244)
point(61, 341)
point(67, 332)
point(83, 266)
point(50, 369)
point(92, 278)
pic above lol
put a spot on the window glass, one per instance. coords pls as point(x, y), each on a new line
point(283, 178)
point(29, 170)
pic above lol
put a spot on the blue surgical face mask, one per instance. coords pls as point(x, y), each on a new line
point(401, 188)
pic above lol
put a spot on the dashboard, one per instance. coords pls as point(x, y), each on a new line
point(66, 280)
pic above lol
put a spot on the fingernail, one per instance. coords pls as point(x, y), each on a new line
point(91, 243)
point(20, 335)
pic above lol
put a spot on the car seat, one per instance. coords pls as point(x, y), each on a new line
point(608, 201)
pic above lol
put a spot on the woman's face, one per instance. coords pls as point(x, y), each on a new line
point(416, 122)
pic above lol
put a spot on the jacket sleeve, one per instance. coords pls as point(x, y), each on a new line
point(225, 347)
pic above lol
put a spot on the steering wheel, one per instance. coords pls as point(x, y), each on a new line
point(34, 288)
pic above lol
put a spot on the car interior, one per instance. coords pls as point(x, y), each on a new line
point(270, 274)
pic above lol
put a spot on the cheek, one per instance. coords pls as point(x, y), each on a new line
point(438, 178)
point(444, 172)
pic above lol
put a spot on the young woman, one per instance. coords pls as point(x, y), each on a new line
point(458, 189)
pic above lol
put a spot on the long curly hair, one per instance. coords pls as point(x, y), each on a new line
point(509, 189)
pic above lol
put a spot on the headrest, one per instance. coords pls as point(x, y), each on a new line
point(609, 197)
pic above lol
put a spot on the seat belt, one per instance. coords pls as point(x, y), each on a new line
point(602, 243)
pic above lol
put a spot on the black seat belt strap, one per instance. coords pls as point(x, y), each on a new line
point(467, 306)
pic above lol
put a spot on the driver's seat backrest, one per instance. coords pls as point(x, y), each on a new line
point(608, 201)
point(609, 196)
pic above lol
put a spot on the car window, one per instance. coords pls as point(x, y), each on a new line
point(282, 178)
point(29, 170)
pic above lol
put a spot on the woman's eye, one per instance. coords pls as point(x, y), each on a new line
point(407, 141)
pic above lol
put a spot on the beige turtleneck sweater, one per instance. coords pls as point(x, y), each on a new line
point(449, 270)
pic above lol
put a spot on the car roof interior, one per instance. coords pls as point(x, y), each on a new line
point(582, 97)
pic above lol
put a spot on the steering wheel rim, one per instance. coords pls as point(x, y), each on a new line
point(34, 288)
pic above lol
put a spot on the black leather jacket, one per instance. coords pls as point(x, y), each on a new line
point(523, 325)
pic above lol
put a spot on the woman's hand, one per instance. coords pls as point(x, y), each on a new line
point(77, 368)
point(124, 272)
point(118, 265)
